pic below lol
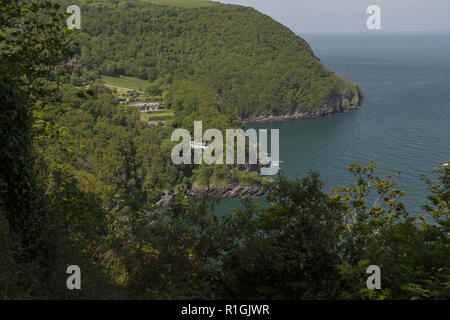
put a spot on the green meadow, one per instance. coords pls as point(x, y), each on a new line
point(156, 116)
point(124, 83)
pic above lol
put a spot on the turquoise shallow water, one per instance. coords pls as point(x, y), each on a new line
point(404, 123)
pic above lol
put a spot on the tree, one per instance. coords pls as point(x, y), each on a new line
point(291, 248)
point(35, 42)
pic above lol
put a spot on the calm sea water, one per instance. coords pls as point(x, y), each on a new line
point(404, 123)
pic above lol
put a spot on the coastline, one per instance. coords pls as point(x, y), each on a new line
point(231, 191)
point(346, 102)
point(326, 111)
point(338, 104)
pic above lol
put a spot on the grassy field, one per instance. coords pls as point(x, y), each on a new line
point(183, 3)
point(157, 116)
point(124, 84)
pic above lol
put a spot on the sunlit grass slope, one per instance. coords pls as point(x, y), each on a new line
point(124, 83)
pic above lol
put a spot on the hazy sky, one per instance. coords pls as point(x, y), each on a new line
point(325, 16)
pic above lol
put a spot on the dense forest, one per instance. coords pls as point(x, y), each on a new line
point(255, 64)
point(80, 173)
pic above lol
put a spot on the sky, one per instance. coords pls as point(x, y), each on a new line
point(343, 16)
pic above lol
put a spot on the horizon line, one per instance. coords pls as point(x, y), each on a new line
point(377, 32)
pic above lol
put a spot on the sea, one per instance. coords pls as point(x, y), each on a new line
point(403, 124)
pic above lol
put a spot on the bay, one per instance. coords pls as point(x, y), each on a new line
point(404, 123)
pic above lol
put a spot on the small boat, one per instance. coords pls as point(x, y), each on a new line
point(276, 163)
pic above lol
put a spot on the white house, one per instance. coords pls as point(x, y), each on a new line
point(143, 106)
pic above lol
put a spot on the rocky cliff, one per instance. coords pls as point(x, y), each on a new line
point(230, 191)
point(347, 101)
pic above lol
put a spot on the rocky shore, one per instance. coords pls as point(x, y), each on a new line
point(230, 191)
point(338, 104)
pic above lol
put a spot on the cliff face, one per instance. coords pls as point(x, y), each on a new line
point(230, 191)
point(343, 102)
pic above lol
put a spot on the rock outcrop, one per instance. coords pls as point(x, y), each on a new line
point(230, 191)
point(339, 103)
